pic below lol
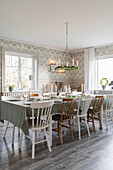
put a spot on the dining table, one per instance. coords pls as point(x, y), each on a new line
point(17, 112)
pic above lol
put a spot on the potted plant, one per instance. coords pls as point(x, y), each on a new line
point(11, 87)
point(104, 83)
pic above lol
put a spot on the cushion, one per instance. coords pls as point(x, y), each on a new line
point(57, 117)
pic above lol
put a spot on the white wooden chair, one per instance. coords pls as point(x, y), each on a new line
point(109, 108)
point(39, 122)
point(81, 115)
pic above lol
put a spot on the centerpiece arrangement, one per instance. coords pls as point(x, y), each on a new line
point(60, 86)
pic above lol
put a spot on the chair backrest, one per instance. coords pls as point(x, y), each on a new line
point(42, 116)
point(109, 102)
point(83, 105)
point(32, 95)
point(98, 104)
point(67, 108)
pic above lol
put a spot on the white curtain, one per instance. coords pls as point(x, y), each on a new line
point(89, 70)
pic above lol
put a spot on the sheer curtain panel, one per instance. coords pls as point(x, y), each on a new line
point(89, 70)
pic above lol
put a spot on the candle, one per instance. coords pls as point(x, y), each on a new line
point(55, 88)
point(77, 63)
point(83, 85)
point(65, 88)
point(29, 94)
point(68, 88)
point(67, 64)
point(59, 62)
point(51, 88)
point(73, 62)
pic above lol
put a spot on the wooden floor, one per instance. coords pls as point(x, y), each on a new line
point(91, 153)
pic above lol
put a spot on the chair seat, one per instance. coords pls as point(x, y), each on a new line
point(91, 111)
point(108, 110)
point(57, 117)
point(80, 115)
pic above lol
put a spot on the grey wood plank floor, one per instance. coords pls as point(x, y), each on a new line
point(91, 153)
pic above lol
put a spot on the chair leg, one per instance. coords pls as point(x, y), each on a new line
point(60, 128)
point(87, 126)
point(13, 135)
point(106, 120)
point(65, 131)
point(6, 129)
point(88, 117)
point(93, 123)
point(18, 131)
point(33, 145)
point(20, 142)
point(111, 116)
point(71, 129)
point(79, 128)
point(100, 121)
point(48, 144)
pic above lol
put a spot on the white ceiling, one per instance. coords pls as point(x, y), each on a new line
point(41, 22)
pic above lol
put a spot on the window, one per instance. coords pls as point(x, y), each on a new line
point(104, 69)
point(18, 67)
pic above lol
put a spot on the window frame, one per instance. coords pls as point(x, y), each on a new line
point(97, 66)
point(20, 54)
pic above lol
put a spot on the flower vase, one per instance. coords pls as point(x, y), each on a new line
point(103, 87)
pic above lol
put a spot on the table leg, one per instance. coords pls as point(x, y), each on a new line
point(50, 131)
point(35, 136)
point(102, 115)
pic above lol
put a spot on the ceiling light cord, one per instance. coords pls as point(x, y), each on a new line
point(67, 49)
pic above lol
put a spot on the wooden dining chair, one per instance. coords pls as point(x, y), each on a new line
point(64, 116)
point(39, 121)
point(96, 111)
point(33, 95)
point(81, 115)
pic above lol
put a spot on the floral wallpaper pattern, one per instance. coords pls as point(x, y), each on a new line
point(104, 50)
point(74, 78)
point(45, 54)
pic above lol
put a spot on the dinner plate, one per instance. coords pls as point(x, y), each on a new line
point(14, 100)
point(27, 103)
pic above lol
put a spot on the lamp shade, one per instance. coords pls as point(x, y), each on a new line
point(31, 77)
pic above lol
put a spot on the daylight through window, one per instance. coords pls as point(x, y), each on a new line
point(17, 71)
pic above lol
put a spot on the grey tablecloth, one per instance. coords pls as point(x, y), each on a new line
point(16, 114)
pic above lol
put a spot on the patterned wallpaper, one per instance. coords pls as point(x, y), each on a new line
point(45, 76)
point(104, 50)
point(74, 78)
